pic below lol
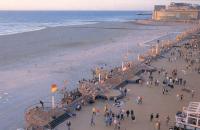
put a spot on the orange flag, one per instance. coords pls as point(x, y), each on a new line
point(54, 88)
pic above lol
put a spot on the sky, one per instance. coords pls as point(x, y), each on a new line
point(83, 4)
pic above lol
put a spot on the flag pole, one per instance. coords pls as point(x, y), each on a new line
point(99, 77)
point(53, 91)
point(53, 101)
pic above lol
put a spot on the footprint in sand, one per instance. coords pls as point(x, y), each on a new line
point(4, 97)
point(5, 93)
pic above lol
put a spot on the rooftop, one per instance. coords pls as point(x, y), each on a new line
point(194, 107)
point(178, 6)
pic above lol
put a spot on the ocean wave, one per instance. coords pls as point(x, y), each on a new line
point(12, 22)
point(14, 28)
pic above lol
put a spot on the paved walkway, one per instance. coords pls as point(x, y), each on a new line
point(153, 102)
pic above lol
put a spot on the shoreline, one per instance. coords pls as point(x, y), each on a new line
point(37, 28)
point(97, 26)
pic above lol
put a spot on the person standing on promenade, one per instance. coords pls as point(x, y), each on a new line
point(94, 111)
point(132, 113)
point(133, 117)
point(181, 81)
point(178, 97)
point(157, 125)
point(92, 123)
point(167, 120)
point(192, 93)
point(105, 109)
point(68, 125)
point(121, 116)
point(147, 83)
point(163, 91)
point(107, 119)
point(125, 91)
point(151, 117)
point(118, 125)
point(115, 123)
point(181, 97)
point(127, 113)
point(184, 83)
point(157, 116)
point(110, 120)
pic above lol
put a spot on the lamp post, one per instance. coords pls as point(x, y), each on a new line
point(99, 77)
point(156, 49)
point(138, 57)
point(64, 88)
point(122, 65)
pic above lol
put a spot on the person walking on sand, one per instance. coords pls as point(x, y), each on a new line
point(151, 117)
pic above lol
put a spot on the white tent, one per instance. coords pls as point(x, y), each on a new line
point(190, 117)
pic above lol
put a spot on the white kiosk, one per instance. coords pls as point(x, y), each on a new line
point(189, 118)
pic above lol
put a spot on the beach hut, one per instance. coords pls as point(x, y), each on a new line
point(189, 118)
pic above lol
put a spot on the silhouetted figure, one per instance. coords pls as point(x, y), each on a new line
point(68, 125)
point(42, 103)
point(127, 113)
point(157, 115)
point(151, 117)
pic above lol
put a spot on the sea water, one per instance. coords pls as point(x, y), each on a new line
point(12, 22)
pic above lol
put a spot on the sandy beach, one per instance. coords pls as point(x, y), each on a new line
point(30, 62)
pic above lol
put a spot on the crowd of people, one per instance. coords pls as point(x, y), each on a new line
point(168, 80)
point(111, 118)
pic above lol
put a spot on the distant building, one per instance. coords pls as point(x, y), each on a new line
point(176, 12)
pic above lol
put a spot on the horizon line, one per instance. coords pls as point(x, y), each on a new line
point(74, 10)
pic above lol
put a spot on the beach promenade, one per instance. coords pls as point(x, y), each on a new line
point(154, 101)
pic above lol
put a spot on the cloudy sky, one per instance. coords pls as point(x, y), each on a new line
point(83, 4)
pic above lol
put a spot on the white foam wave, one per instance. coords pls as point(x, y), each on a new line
point(14, 28)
